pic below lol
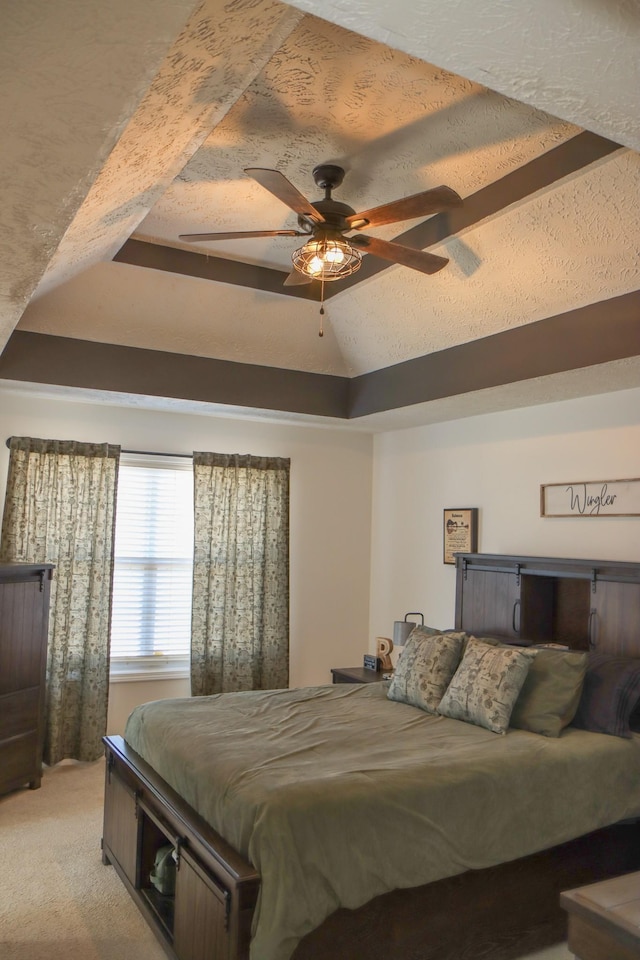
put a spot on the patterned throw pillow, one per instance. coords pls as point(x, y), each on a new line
point(425, 668)
point(486, 685)
point(421, 630)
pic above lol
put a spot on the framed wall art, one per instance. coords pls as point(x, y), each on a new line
point(591, 498)
point(460, 532)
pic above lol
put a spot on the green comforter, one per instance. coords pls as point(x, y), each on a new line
point(336, 794)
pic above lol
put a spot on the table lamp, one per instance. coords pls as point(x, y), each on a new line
point(402, 629)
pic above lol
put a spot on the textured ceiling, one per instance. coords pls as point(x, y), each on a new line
point(137, 120)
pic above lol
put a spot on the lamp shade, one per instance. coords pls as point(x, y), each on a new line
point(402, 629)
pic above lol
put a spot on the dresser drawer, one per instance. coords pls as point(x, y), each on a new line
point(19, 760)
point(19, 712)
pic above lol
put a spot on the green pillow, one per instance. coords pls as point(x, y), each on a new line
point(551, 693)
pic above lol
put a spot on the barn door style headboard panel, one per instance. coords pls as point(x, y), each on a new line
point(585, 604)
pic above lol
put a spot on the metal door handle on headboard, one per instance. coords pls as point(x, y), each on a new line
point(591, 629)
point(514, 624)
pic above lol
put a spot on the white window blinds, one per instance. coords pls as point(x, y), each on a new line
point(151, 614)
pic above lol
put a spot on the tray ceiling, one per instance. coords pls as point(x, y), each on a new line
point(115, 157)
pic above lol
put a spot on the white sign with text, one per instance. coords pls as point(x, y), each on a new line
point(591, 498)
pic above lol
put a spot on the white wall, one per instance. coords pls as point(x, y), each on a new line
point(330, 515)
point(495, 462)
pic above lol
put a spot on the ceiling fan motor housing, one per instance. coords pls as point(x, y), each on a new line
point(335, 215)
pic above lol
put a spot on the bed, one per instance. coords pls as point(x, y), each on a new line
point(338, 822)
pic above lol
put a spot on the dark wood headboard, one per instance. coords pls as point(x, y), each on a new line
point(585, 604)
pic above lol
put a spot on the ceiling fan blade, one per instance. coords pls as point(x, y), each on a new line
point(396, 253)
point(277, 184)
point(239, 235)
point(407, 208)
point(296, 279)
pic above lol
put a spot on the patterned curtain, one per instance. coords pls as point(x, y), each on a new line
point(240, 620)
point(60, 508)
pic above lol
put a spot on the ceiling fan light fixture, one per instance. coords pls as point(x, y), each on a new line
point(327, 259)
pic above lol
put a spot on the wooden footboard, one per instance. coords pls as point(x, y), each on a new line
point(502, 912)
point(209, 915)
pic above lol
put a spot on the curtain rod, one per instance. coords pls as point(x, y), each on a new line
point(154, 453)
point(144, 453)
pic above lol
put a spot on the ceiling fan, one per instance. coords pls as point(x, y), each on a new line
point(328, 254)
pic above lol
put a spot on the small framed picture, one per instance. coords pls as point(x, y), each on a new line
point(460, 532)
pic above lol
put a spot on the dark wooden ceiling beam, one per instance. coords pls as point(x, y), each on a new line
point(587, 336)
point(574, 154)
point(595, 334)
point(542, 172)
point(155, 256)
point(111, 367)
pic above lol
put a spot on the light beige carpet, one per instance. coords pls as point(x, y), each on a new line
point(57, 900)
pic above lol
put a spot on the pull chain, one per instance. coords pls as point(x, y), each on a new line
point(321, 331)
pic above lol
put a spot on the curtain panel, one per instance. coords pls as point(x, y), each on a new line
point(240, 618)
point(60, 509)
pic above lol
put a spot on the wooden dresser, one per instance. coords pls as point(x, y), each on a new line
point(24, 617)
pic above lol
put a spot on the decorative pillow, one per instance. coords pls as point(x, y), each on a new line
point(425, 669)
point(421, 630)
point(551, 692)
point(610, 694)
point(486, 685)
point(493, 641)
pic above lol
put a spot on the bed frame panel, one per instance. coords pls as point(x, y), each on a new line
point(222, 888)
point(584, 604)
point(502, 912)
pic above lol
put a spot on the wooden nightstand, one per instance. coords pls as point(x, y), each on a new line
point(355, 675)
point(604, 919)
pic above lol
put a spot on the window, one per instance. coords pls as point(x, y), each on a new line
point(153, 567)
